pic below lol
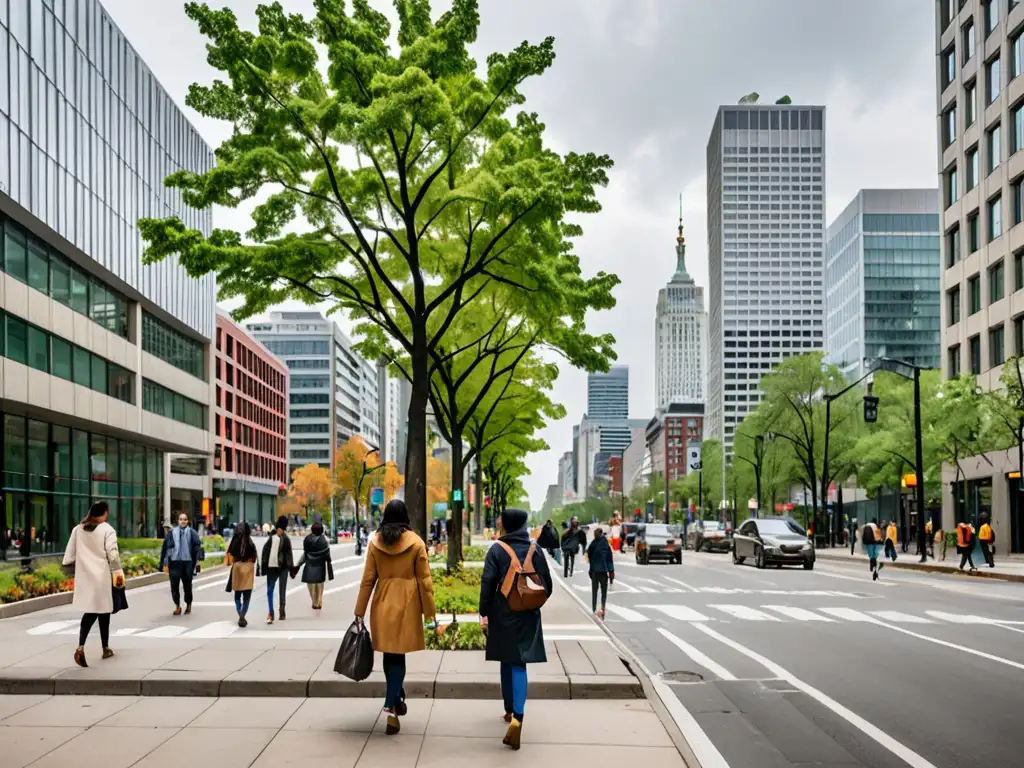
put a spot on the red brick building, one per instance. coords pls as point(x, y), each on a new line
point(250, 426)
point(671, 435)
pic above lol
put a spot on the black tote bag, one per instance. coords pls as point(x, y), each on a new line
point(120, 599)
point(355, 657)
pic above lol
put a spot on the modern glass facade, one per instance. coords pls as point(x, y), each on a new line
point(172, 347)
point(608, 394)
point(52, 473)
point(882, 295)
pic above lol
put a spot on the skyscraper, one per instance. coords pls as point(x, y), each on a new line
point(766, 226)
point(679, 335)
point(882, 280)
point(608, 394)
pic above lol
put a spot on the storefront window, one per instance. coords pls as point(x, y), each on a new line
point(14, 451)
point(38, 460)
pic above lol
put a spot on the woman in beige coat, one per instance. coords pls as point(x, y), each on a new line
point(92, 550)
point(398, 575)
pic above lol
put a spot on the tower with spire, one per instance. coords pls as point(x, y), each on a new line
point(680, 339)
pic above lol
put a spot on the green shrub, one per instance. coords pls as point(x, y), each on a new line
point(127, 544)
point(472, 554)
point(464, 636)
point(458, 592)
point(214, 543)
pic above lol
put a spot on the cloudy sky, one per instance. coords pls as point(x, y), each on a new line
point(641, 80)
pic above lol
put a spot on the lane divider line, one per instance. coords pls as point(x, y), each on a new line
point(907, 755)
point(697, 656)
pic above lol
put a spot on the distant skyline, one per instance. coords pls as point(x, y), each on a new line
point(642, 81)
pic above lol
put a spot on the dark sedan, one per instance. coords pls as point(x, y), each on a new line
point(774, 541)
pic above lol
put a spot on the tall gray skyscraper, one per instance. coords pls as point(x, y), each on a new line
point(608, 394)
point(766, 226)
point(882, 280)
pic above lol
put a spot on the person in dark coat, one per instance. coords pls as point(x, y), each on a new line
point(602, 569)
point(318, 568)
point(574, 539)
point(514, 639)
point(277, 562)
point(548, 538)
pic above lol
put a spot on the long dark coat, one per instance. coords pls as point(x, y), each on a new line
point(316, 557)
point(514, 638)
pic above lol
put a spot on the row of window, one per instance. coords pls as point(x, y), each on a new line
point(171, 346)
point(996, 349)
point(248, 436)
point(40, 267)
point(26, 344)
point(996, 288)
point(774, 120)
point(162, 401)
point(246, 359)
point(994, 226)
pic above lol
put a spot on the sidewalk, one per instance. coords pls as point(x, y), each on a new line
point(123, 731)
point(1008, 567)
point(294, 658)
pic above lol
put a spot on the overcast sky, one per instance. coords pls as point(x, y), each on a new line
point(641, 80)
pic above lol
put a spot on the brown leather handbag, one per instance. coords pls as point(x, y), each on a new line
point(523, 588)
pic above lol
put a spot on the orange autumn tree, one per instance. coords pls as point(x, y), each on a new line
point(439, 481)
point(312, 488)
point(357, 469)
point(392, 481)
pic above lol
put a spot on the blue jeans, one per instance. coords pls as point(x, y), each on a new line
point(513, 688)
point(242, 600)
point(394, 674)
point(275, 575)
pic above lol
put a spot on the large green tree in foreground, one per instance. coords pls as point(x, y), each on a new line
point(396, 184)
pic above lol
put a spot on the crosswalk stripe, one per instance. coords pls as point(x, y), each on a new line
point(698, 656)
point(680, 612)
point(51, 627)
point(846, 613)
point(648, 590)
point(681, 584)
point(625, 614)
point(214, 631)
point(164, 631)
point(800, 614)
point(958, 618)
point(745, 612)
point(625, 587)
point(897, 617)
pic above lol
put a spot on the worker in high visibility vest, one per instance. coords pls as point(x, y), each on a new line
point(965, 543)
point(987, 539)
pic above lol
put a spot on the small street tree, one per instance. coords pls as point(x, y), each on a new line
point(312, 488)
point(357, 469)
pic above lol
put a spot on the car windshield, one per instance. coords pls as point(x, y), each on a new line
point(660, 529)
point(780, 527)
point(712, 525)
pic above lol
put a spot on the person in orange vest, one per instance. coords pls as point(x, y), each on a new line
point(891, 539)
point(987, 539)
point(965, 543)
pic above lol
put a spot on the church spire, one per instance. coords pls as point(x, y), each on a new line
point(681, 275)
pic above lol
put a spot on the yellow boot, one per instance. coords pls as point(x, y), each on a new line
point(513, 735)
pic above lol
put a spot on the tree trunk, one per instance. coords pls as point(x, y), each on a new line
point(478, 506)
point(416, 444)
point(455, 539)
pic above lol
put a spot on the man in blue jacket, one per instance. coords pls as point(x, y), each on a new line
point(602, 569)
point(179, 558)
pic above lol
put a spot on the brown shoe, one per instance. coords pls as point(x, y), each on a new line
point(507, 717)
point(177, 610)
point(108, 653)
point(513, 736)
point(80, 657)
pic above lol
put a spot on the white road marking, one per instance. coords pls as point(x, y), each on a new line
point(681, 612)
point(655, 582)
point(126, 631)
point(800, 614)
point(745, 612)
point(847, 613)
point(332, 590)
point(164, 631)
point(958, 618)
point(648, 590)
point(51, 627)
point(903, 752)
point(1011, 629)
point(835, 575)
point(947, 644)
point(214, 631)
point(621, 585)
point(898, 617)
point(697, 656)
point(625, 614)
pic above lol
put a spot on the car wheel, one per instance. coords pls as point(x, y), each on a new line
point(759, 559)
point(808, 565)
point(736, 559)
point(778, 566)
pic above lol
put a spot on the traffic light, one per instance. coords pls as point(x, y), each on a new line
point(870, 409)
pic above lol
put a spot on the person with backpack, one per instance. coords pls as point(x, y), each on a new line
point(871, 538)
point(515, 584)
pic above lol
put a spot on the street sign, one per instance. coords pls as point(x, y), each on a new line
point(457, 495)
point(377, 496)
point(693, 455)
point(870, 409)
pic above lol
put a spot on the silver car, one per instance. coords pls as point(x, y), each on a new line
point(774, 541)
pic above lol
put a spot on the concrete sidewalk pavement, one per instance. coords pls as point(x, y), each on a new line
point(1008, 568)
point(123, 731)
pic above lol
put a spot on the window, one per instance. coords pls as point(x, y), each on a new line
point(994, 143)
point(38, 351)
point(99, 374)
point(17, 340)
point(996, 348)
point(160, 340)
point(1018, 335)
point(1017, 191)
point(969, 40)
point(993, 80)
point(949, 126)
point(164, 402)
point(60, 358)
point(82, 368)
point(995, 217)
point(975, 353)
point(951, 186)
point(949, 66)
point(79, 292)
point(60, 281)
point(973, 233)
point(970, 103)
point(15, 255)
point(973, 169)
point(996, 282)
point(991, 9)
point(1016, 55)
point(953, 246)
point(1018, 270)
point(953, 361)
point(38, 268)
point(973, 295)
point(953, 306)
point(1017, 139)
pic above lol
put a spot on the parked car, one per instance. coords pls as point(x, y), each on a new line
point(774, 541)
point(629, 535)
point(658, 541)
point(709, 535)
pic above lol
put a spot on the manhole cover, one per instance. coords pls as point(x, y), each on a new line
point(681, 677)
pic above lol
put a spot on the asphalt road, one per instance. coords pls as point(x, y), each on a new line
point(825, 667)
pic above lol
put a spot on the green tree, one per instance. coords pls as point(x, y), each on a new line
point(451, 192)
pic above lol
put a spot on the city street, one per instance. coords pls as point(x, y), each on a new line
point(825, 667)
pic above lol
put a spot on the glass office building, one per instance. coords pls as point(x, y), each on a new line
point(882, 274)
point(104, 364)
point(608, 394)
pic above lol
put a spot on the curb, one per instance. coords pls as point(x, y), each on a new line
point(33, 604)
point(927, 568)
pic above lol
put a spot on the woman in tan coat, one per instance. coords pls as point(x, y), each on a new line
point(398, 575)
